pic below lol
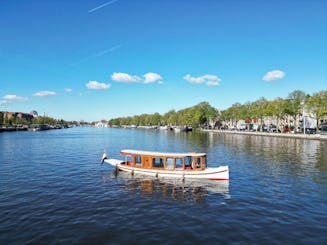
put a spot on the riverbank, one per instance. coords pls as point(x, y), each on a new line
point(32, 127)
point(285, 135)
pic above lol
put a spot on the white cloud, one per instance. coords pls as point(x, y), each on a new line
point(151, 77)
point(44, 93)
point(97, 85)
point(124, 77)
point(273, 75)
point(210, 80)
point(68, 90)
point(14, 97)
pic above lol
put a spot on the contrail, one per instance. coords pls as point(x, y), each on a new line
point(102, 5)
point(107, 50)
point(99, 54)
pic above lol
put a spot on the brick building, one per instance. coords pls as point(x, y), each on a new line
point(15, 117)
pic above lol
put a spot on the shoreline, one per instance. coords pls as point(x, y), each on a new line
point(282, 135)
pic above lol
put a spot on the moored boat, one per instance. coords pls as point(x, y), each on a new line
point(188, 165)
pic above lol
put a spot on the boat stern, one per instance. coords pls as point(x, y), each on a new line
point(222, 173)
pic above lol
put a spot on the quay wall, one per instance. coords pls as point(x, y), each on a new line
point(285, 135)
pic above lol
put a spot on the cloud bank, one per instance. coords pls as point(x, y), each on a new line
point(273, 75)
point(208, 79)
point(97, 85)
point(13, 97)
point(149, 77)
point(124, 78)
point(45, 93)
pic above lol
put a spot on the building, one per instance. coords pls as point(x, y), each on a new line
point(102, 124)
point(15, 117)
point(34, 113)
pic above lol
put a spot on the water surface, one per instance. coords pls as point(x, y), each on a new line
point(53, 190)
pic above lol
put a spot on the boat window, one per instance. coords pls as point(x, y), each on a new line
point(179, 162)
point(188, 162)
point(138, 160)
point(157, 162)
point(203, 162)
point(170, 163)
point(197, 162)
point(129, 160)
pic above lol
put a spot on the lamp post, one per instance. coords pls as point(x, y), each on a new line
point(303, 117)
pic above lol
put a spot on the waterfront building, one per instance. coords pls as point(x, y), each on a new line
point(102, 124)
point(34, 113)
point(15, 117)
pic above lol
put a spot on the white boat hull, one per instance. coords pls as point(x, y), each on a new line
point(218, 173)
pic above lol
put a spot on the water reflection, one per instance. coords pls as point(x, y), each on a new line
point(281, 156)
point(173, 189)
point(280, 149)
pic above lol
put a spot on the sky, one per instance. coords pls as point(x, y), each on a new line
point(97, 59)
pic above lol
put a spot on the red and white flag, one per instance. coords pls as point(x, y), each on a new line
point(104, 156)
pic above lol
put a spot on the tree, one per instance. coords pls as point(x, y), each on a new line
point(171, 117)
point(276, 108)
point(260, 109)
point(317, 103)
point(294, 105)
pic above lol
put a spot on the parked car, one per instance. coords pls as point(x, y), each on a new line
point(310, 131)
point(323, 128)
point(307, 131)
point(287, 129)
point(273, 129)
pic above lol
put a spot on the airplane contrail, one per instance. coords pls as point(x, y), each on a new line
point(103, 52)
point(102, 5)
point(98, 54)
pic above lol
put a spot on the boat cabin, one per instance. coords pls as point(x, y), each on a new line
point(165, 161)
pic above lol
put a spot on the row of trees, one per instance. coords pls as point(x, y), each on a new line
point(49, 120)
point(292, 107)
point(203, 113)
point(14, 120)
point(193, 116)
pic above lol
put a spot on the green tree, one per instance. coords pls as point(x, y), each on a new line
point(276, 109)
point(260, 110)
point(294, 104)
point(171, 117)
point(317, 104)
point(231, 114)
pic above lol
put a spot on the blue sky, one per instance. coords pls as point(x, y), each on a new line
point(92, 60)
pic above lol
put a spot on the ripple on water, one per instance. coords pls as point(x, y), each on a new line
point(53, 190)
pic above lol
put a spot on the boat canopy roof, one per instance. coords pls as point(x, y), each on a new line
point(161, 154)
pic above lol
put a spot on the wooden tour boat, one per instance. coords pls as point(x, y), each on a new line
point(188, 165)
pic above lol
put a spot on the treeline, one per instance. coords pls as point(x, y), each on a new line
point(292, 107)
point(193, 116)
point(204, 114)
point(15, 120)
point(49, 120)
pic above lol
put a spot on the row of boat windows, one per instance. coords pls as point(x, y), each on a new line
point(187, 162)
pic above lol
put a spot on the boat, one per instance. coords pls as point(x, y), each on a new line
point(189, 165)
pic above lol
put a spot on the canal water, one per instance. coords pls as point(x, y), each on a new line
point(53, 190)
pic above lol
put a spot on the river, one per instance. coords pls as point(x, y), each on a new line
point(53, 190)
